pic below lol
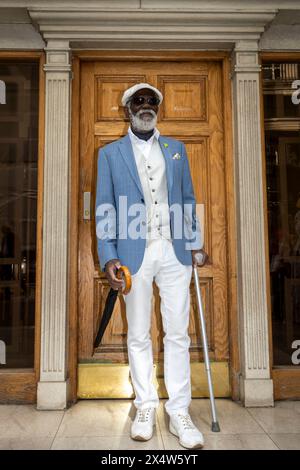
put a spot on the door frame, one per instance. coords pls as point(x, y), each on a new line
point(286, 379)
point(176, 56)
point(20, 385)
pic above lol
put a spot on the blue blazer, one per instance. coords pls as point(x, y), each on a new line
point(118, 178)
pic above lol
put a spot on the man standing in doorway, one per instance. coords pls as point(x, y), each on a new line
point(147, 174)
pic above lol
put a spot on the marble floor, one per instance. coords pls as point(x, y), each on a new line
point(105, 424)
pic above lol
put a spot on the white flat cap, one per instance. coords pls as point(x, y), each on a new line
point(139, 86)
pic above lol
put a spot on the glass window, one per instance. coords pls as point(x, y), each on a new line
point(18, 211)
point(282, 139)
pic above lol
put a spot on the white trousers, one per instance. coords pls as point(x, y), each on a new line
point(173, 280)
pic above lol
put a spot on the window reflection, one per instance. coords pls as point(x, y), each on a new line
point(282, 139)
point(18, 206)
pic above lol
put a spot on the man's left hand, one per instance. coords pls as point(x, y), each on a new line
point(205, 257)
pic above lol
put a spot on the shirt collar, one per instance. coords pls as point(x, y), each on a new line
point(135, 138)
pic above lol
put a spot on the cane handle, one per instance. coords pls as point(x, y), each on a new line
point(124, 274)
point(199, 258)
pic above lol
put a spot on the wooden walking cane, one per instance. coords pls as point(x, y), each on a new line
point(215, 425)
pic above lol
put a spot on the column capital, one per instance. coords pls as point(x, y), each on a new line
point(58, 56)
point(246, 45)
point(245, 57)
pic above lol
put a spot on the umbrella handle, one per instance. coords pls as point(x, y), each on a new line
point(124, 274)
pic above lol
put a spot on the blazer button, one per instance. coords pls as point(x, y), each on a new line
point(142, 200)
point(143, 223)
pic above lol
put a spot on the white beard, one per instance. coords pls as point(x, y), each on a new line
point(140, 124)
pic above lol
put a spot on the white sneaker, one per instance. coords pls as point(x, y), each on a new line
point(183, 427)
point(142, 426)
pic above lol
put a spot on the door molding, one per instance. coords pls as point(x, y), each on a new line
point(224, 58)
point(163, 24)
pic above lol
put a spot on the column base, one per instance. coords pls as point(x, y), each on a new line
point(52, 395)
point(257, 392)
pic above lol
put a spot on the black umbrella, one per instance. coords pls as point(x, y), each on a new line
point(122, 273)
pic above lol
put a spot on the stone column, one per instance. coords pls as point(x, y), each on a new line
point(256, 383)
point(52, 390)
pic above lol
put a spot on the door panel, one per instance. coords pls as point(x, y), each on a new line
point(192, 112)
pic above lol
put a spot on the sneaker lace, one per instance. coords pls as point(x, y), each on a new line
point(186, 422)
point(143, 415)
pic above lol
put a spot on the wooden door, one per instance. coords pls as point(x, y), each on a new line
point(192, 111)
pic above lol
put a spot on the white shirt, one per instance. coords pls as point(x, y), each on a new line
point(143, 145)
point(151, 167)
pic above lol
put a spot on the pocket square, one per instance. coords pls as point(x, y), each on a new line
point(176, 156)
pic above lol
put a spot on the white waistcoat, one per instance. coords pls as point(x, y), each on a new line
point(152, 173)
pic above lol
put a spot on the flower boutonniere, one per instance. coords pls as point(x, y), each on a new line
point(176, 156)
point(166, 145)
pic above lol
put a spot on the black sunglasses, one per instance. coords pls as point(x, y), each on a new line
point(140, 100)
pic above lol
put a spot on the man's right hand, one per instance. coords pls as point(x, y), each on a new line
point(111, 268)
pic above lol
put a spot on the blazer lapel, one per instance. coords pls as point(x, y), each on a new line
point(169, 162)
point(128, 156)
